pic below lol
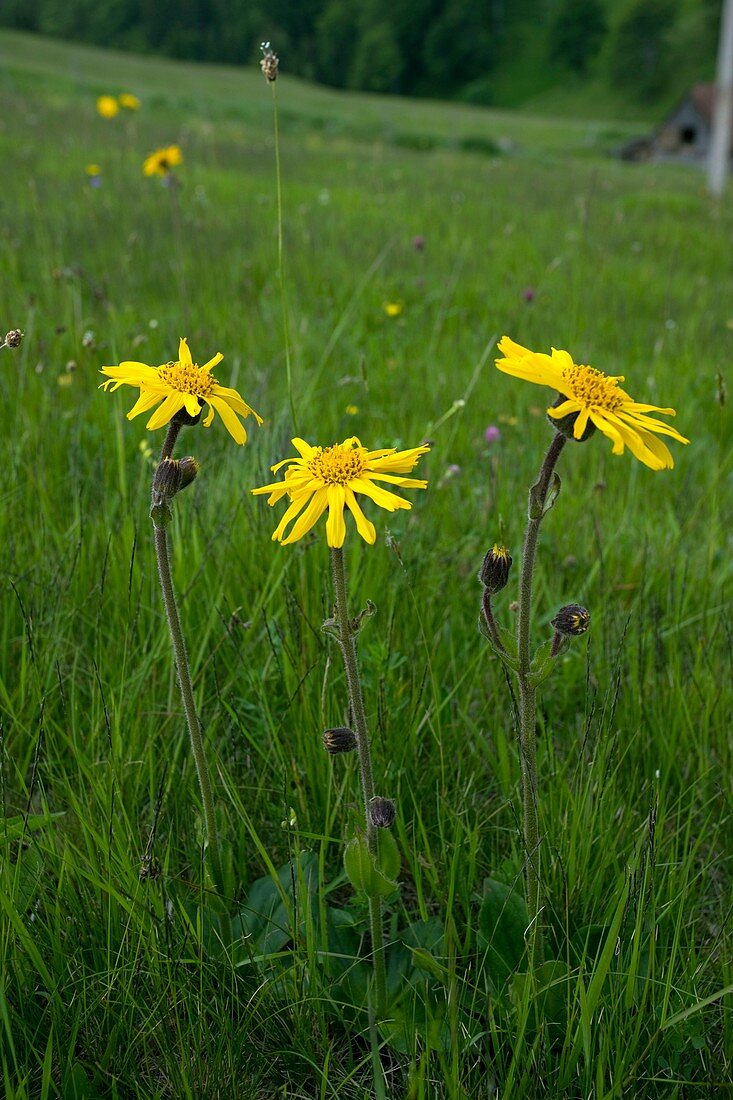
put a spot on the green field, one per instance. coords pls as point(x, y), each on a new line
point(114, 983)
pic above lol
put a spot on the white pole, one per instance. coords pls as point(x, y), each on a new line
point(722, 105)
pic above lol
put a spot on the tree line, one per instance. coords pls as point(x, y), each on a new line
point(462, 49)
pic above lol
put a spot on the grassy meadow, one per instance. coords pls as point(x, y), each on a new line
point(113, 982)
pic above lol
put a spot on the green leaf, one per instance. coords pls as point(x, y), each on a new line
point(552, 494)
point(543, 663)
point(502, 922)
point(377, 878)
point(266, 918)
point(389, 855)
point(548, 988)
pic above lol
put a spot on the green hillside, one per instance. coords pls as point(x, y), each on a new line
point(359, 294)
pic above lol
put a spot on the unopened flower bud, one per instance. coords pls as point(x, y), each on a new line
point(339, 739)
point(382, 813)
point(571, 621)
point(189, 469)
point(494, 572)
point(566, 424)
point(13, 338)
point(171, 476)
point(269, 63)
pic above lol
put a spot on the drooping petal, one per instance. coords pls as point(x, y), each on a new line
point(335, 524)
point(165, 412)
point(608, 430)
point(311, 515)
point(633, 440)
point(296, 506)
point(364, 526)
point(651, 424)
point(145, 401)
point(389, 501)
point(235, 399)
point(557, 412)
point(395, 479)
point(581, 423)
point(233, 425)
point(191, 404)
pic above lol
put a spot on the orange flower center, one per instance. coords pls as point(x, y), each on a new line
point(592, 387)
point(337, 465)
point(187, 378)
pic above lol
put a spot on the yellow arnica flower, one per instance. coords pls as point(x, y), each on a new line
point(161, 161)
point(596, 398)
point(107, 106)
point(129, 101)
point(181, 385)
point(393, 309)
point(330, 477)
point(93, 170)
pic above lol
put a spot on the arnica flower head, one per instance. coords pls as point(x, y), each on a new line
point(330, 477)
point(161, 161)
point(393, 309)
point(107, 106)
point(594, 400)
point(129, 101)
point(181, 385)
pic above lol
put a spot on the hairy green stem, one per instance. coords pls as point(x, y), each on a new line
point(528, 702)
point(356, 699)
point(189, 703)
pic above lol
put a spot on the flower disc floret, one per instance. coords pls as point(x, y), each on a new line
point(594, 398)
point(330, 478)
point(181, 384)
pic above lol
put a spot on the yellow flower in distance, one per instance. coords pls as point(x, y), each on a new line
point(93, 170)
point(596, 398)
point(330, 477)
point(129, 101)
point(393, 309)
point(181, 385)
point(107, 106)
point(161, 161)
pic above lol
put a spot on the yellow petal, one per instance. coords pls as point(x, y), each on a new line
point(232, 424)
point(145, 401)
point(172, 404)
point(297, 505)
point(311, 515)
point(389, 501)
point(184, 355)
point(336, 525)
point(212, 362)
point(364, 526)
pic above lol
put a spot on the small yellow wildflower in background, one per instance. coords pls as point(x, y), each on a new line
point(594, 397)
point(181, 384)
point(351, 410)
point(129, 101)
point(107, 106)
point(161, 161)
point(393, 309)
point(93, 170)
point(330, 477)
